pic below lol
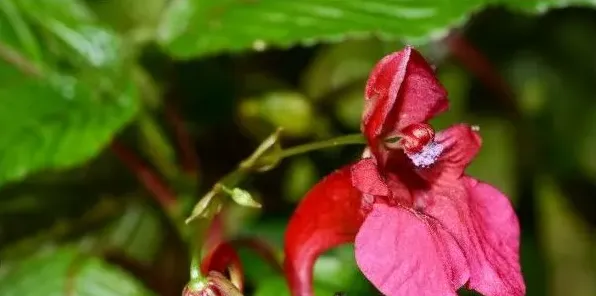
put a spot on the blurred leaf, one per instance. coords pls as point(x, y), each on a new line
point(587, 145)
point(339, 65)
point(125, 15)
point(299, 177)
point(569, 243)
point(67, 271)
point(338, 269)
point(236, 217)
point(531, 77)
point(192, 28)
point(16, 32)
point(59, 225)
point(83, 40)
point(456, 80)
point(272, 230)
point(256, 270)
point(286, 109)
point(495, 163)
point(48, 118)
point(138, 233)
point(58, 125)
point(276, 285)
point(349, 106)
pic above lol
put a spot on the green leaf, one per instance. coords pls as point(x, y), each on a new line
point(74, 25)
point(277, 286)
point(67, 272)
point(192, 28)
point(48, 118)
point(138, 233)
point(338, 270)
point(56, 125)
point(299, 177)
point(289, 110)
point(339, 66)
point(15, 30)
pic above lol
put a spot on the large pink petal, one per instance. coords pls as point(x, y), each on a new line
point(485, 226)
point(402, 89)
point(330, 214)
point(404, 254)
point(497, 228)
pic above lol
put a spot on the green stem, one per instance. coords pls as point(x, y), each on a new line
point(195, 267)
point(236, 176)
point(339, 141)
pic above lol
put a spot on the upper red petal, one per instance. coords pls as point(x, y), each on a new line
point(366, 178)
point(404, 254)
point(330, 214)
point(401, 90)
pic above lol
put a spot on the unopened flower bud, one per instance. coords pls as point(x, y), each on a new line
point(214, 285)
point(200, 289)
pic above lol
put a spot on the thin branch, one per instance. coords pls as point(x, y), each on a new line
point(18, 61)
point(147, 176)
point(188, 154)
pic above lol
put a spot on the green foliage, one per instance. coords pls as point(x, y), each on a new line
point(194, 28)
point(77, 75)
point(54, 116)
point(138, 233)
point(498, 154)
point(66, 270)
point(570, 243)
point(50, 127)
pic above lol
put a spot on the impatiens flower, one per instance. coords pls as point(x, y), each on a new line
point(419, 224)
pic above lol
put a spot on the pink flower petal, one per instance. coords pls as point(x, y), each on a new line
point(404, 255)
point(483, 223)
point(497, 228)
point(366, 178)
point(401, 90)
point(330, 214)
point(460, 144)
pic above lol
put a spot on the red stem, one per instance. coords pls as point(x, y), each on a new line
point(147, 176)
point(188, 156)
point(479, 65)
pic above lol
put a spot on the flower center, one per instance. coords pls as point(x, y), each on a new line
point(417, 141)
point(427, 156)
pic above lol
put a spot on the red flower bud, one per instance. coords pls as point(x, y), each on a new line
point(416, 136)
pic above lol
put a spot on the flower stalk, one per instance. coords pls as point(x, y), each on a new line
point(265, 158)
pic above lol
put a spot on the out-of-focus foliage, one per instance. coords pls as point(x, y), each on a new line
point(570, 244)
point(171, 78)
point(66, 271)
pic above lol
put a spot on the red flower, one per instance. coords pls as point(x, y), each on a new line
point(420, 226)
